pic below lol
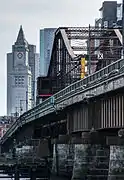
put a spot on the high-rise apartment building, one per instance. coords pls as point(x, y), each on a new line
point(22, 65)
point(46, 43)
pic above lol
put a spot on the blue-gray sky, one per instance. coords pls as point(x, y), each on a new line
point(36, 14)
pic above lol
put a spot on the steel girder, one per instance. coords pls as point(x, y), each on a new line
point(71, 43)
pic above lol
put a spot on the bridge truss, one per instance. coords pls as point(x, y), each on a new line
point(71, 43)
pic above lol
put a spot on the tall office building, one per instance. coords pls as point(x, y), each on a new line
point(110, 14)
point(21, 76)
point(34, 60)
point(46, 43)
point(110, 50)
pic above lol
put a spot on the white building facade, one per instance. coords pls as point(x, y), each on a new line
point(19, 77)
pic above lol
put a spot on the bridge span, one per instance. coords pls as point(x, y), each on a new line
point(87, 114)
point(83, 121)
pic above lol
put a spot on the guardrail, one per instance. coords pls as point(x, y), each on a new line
point(107, 72)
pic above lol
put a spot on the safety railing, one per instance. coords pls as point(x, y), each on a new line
point(99, 76)
point(111, 70)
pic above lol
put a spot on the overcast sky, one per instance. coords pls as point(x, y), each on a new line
point(34, 15)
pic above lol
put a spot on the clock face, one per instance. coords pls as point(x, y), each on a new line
point(20, 55)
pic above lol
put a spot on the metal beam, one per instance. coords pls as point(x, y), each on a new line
point(123, 26)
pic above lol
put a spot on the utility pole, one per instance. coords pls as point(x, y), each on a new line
point(26, 101)
point(89, 52)
point(123, 27)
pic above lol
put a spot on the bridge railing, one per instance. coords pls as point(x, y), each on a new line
point(99, 76)
point(107, 72)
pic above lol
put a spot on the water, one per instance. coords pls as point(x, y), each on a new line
point(6, 178)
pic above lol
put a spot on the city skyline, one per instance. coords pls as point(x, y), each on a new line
point(35, 15)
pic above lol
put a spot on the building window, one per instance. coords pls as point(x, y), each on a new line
point(119, 12)
point(48, 53)
point(19, 80)
point(105, 24)
point(29, 81)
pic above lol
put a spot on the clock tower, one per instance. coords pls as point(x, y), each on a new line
point(20, 50)
point(22, 73)
point(19, 77)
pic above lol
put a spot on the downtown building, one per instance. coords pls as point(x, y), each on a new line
point(22, 73)
point(5, 123)
point(46, 44)
point(108, 51)
point(44, 83)
point(110, 15)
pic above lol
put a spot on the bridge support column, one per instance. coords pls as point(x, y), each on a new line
point(91, 158)
point(16, 173)
point(99, 162)
point(116, 162)
point(63, 153)
point(33, 174)
point(81, 156)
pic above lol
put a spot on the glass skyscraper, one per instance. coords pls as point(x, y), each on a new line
point(46, 43)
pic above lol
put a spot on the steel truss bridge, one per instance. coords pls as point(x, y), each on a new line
point(102, 46)
point(70, 44)
point(89, 87)
point(84, 111)
point(87, 112)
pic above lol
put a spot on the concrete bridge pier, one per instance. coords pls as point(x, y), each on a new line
point(99, 164)
point(33, 174)
point(63, 153)
point(81, 156)
point(91, 158)
point(116, 160)
point(16, 176)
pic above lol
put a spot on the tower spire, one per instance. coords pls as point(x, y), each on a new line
point(21, 37)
